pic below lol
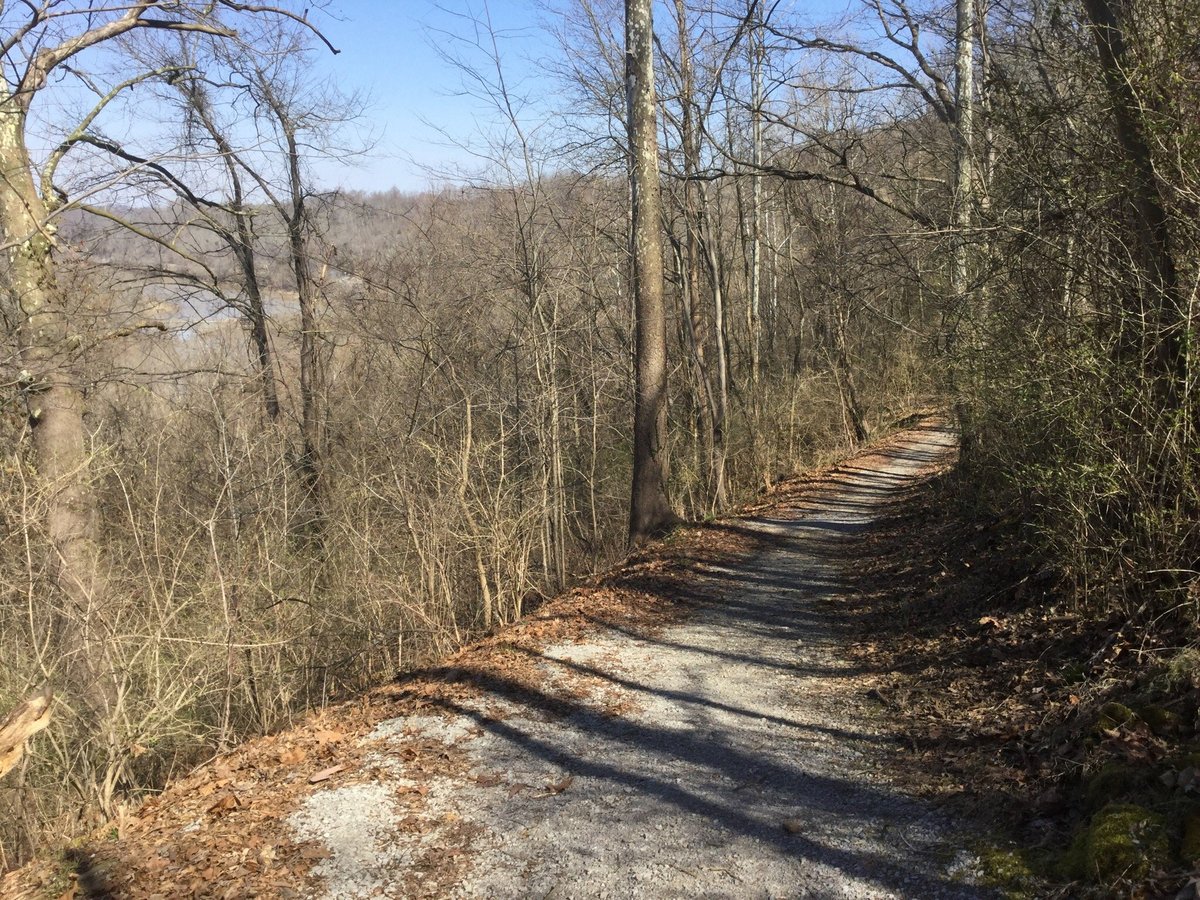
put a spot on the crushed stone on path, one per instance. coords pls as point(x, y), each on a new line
point(734, 755)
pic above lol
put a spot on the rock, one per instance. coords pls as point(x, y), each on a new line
point(1187, 779)
point(1007, 868)
point(1115, 715)
point(1161, 721)
point(1122, 840)
point(1115, 781)
point(1189, 843)
point(1184, 669)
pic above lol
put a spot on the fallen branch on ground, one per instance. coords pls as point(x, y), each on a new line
point(20, 725)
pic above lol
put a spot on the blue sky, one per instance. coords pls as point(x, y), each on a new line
point(390, 52)
point(417, 119)
point(387, 52)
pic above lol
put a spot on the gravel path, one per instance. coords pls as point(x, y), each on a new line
point(745, 761)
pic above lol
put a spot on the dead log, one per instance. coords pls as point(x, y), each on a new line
point(20, 725)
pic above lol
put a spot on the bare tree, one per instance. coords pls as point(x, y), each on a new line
point(650, 512)
point(712, 409)
point(1165, 314)
point(964, 197)
point(236, 229)
point(219, 203)
point(294, 116)
point(757, 52)
point(293, 207)
point(40, 39)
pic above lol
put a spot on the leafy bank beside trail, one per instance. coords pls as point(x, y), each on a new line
point(1077, 734)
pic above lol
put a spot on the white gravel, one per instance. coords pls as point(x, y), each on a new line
point(746, 766)
point(357, 826)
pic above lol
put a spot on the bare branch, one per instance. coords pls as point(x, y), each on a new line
point(79, 134)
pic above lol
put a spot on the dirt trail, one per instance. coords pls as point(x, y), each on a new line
point(735, 755)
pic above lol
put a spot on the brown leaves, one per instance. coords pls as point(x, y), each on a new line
point(220, 832)
point(326, 774)
point(1006, 680)
point(226, 803)
point(293, 756)
point(328, 736)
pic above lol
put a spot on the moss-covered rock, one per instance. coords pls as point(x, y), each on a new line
point(1190, 758)
point(1122, 840)
point(1011, 869)
point(1161, 720)
point(1189, 841)
point(1115, 715)
point(1074, 673)
point(1115, 781)
point(1184, 670)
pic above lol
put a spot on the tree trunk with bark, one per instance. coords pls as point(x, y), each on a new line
point(650, 512)
point(964, 139)
point(53, 398)
point(756, 54)
point(1164, 341)
point(697, 322)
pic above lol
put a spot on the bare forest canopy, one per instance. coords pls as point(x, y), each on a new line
point(266, 444)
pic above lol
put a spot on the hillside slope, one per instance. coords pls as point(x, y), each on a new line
point(690, 725)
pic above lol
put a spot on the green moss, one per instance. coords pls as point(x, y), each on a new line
point(1122, 840)
point(1184, 669)
point(1189, 842)
point(1161, 721)
point(1074, 673)
point(1114, 715)
point(1011, 869)
point(59, 882)
point(1190, 759)
point(1114, 781)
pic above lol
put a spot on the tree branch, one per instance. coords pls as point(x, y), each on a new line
point(79, 134)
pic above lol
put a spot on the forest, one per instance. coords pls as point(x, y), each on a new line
point(267, 443)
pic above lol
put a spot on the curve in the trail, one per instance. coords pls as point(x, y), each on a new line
point(745, 761)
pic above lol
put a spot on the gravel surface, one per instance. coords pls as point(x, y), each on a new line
point(735, 755)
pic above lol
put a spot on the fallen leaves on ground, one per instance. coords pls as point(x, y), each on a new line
point(997, 680)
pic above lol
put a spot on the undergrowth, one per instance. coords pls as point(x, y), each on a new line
point(1072, 732)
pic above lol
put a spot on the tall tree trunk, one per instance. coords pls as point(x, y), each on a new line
point(844, 372)
point(55, 404)
point(697, 321)
point(650, 512)
point(721, 411)
point(255, 310)
point(1164, 342)
point(241, 241)
point(964, 139)
point(257, 314)
point(474, 533)
point(310, 351)
point(755, 45)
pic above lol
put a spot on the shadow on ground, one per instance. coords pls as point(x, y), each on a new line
point(795, 586)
